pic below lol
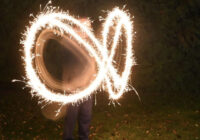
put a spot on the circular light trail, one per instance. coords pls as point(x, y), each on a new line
point(115, 84)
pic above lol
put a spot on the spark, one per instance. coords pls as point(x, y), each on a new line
point(107, 75)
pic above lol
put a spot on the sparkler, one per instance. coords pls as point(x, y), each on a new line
point(115, 84)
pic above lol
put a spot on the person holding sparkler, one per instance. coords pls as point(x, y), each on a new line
point(81, 111)
point(90, 78)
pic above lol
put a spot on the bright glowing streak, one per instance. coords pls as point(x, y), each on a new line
point(106, 73)
point(120, 82)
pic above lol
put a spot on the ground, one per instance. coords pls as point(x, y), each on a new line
point(158, 116)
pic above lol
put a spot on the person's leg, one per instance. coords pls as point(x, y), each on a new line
point(85, 115)
point(70, 122)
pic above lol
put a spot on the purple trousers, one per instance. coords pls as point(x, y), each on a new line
point(81, 112)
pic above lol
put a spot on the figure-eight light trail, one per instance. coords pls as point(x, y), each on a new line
point(115, 84)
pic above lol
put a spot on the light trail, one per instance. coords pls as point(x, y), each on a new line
point(107, 74)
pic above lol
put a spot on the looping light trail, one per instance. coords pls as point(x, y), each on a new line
point(107, 74)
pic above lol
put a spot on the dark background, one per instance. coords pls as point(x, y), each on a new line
point(167, 43)
point(167, 49)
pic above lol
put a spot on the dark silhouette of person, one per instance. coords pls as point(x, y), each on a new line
point(76, 74)
point(81, 112)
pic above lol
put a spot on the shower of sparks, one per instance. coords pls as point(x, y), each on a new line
point(107, 75)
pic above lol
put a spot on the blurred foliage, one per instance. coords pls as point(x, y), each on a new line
point(167, 43)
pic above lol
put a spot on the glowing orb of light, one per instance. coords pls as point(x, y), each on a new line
point(115, 84)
